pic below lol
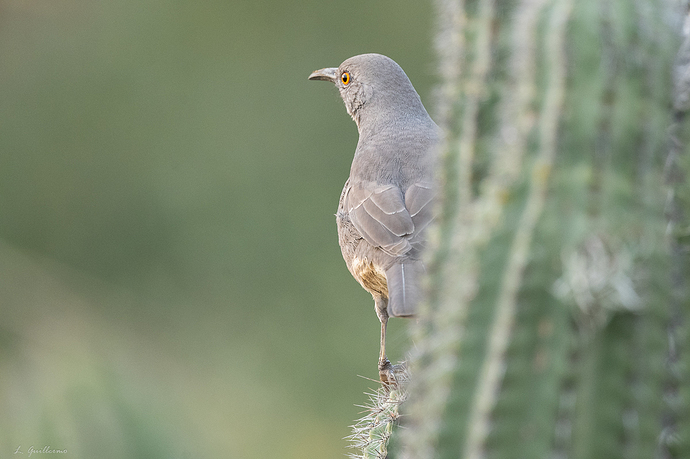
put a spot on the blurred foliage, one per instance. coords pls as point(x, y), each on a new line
point(170, 280)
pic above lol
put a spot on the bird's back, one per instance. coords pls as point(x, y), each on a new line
point(385, 208)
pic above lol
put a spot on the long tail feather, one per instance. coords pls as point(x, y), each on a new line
point(404, 288)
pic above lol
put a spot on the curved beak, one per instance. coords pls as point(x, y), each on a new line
point(327, 74)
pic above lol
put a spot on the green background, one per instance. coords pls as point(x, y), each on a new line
point(170, 279)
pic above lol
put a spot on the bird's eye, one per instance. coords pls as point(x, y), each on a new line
point(345, 78)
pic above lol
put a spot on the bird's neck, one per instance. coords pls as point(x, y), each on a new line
point(389, 123)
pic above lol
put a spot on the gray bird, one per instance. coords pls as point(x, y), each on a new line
point(387, 201)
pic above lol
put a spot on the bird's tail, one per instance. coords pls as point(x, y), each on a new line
point(404, 288)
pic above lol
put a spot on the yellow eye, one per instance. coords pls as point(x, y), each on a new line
point(345, 78)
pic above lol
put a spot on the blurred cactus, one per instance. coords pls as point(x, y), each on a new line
point(558, 311)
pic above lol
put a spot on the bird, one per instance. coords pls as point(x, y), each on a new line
point(387, 202)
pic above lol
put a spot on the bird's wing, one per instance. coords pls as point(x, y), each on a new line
point(385, 217)
point(419, 200)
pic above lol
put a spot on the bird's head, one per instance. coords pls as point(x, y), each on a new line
point(374, 88)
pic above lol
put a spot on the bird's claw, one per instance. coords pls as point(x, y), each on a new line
point(387, 373)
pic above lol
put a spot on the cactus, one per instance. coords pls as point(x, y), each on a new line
point(372, 432)
point(556, 323)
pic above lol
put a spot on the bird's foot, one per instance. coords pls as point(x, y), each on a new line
point(387, 373)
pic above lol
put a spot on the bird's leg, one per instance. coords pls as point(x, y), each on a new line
point(382, 353)
point(385, 368)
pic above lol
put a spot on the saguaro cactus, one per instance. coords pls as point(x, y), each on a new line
point(558, 309)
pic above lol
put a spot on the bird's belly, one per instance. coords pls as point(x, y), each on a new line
point(363, 261)
point(370, 276)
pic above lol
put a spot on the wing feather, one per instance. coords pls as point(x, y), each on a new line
point(388, 219)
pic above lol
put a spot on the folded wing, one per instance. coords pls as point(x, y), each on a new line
point(388, 219)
